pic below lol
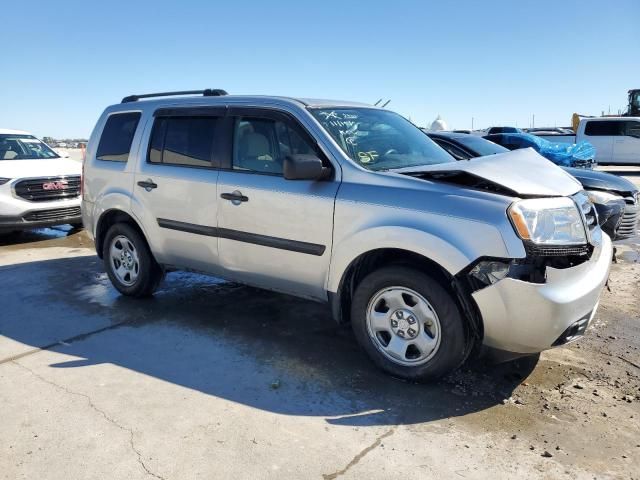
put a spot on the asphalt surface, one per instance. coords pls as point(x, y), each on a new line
point(216, 380)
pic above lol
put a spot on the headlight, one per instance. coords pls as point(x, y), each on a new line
point(602, 197)
point(548, 221)
point(4, 180)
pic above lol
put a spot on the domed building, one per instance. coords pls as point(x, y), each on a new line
point(439, 124)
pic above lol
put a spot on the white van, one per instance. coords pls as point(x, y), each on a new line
point(617, 139)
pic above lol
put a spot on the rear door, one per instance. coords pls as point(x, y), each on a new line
point(601, 133)
point(274, 233)
point(175, 193)
point(626, 148)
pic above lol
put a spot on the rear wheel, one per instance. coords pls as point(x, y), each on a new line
point(408, 324)
point(129, 263)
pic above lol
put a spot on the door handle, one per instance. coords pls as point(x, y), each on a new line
point(148, 184)
point(235, 197)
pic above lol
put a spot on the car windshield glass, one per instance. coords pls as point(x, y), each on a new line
point(24, 147)
point(379, 139)
point(481, 146)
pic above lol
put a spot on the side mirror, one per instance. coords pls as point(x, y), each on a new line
point(304, 167)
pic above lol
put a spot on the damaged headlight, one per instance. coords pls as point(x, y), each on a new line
point(548, 221)
point(602, 197)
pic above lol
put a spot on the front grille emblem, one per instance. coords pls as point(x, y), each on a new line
point(59, 185)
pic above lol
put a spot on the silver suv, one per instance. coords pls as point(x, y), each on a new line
point(353, 206)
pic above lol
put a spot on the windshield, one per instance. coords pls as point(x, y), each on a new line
point(24, 147)
point(379, 139)
point(635, 99)
point(481, 146)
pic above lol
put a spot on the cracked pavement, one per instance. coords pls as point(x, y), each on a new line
point(216, 380)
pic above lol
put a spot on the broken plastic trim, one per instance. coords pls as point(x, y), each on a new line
point(486, 271)
point(575, 331)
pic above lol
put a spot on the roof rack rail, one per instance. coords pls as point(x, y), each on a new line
point(209, 92)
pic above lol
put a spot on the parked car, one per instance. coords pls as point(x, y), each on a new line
point(493, 130)
point(350, 205)
point(581, 155)
point(616, 199)
point(616, 139)
point(37, 187)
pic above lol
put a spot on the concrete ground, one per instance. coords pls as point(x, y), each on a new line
point(216, 380)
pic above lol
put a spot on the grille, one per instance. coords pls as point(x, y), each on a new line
point(540, 251)
point(48, 188)
point(629, 224)
point(52, 214)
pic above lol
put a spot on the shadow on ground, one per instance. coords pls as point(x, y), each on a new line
point(258, 348)
point(53, 235)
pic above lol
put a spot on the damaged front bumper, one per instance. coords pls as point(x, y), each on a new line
point(525, 317)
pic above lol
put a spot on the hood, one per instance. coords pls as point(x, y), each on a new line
point(39, 168)
point(520, 172)
point(592, 179)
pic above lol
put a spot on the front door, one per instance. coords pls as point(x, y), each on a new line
point(626, 148)
point(175, 187)
point(273, 233)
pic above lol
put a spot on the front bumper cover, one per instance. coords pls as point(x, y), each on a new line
point(524, 317)
point(45, 217)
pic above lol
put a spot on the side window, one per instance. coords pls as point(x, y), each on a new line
point(115, 142)
point(261, 144)
point(504, 141)
point(186, 141)
point(603, 128)
point(632, 129)
point(526, 143)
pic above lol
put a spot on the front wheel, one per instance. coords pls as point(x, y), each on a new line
point(408, 324)
point(129, 262)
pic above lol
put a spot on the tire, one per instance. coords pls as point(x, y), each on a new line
point(131, 268)
point(419, 320)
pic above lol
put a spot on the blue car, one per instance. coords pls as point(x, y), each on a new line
point(581, 155)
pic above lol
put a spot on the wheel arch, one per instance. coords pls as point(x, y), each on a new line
point(109, 218)
point(367, 262)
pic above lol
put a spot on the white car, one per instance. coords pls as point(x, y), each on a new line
point(37, 186)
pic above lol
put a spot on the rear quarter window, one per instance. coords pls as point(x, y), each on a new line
point(117, 136)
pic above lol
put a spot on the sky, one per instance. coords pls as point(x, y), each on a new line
point(498, 62)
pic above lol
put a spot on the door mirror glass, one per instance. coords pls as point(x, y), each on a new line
point(304, 167)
